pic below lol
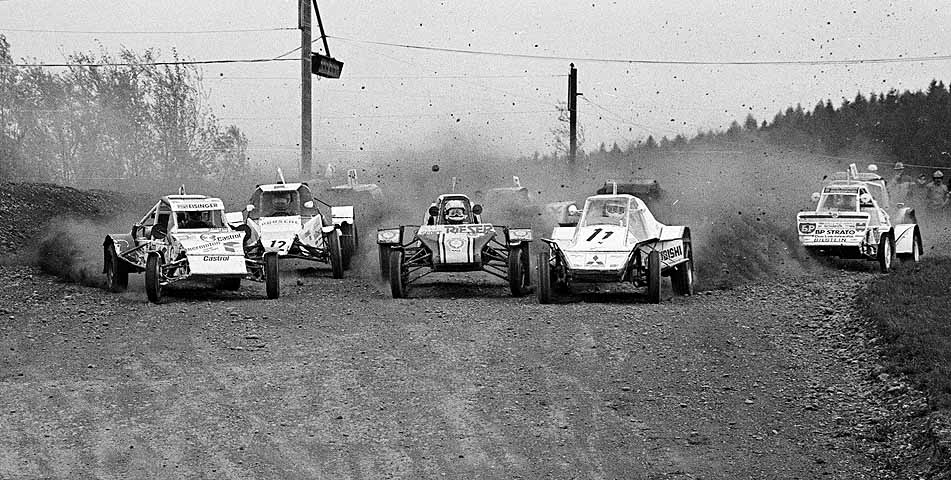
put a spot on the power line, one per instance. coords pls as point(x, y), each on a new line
point(140, 32)
point(393, 77)
point(853, 61)
point(123, 64)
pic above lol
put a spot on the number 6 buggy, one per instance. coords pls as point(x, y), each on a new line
point(616, 240)
point(454, 239)
point(184, 236)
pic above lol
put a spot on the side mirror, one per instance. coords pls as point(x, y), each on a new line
point(433, 210)
point(249, 208)
point(309, 204)
point(477, 209)
point(815, 197)
point(573, 210)
point(135, 228)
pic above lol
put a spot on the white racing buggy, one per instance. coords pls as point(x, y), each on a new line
point(616, 240)
point(185, 236)
point(851, 221)
point(284, 218)
point(454, 239)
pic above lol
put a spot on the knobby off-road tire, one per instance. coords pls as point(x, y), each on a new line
point(348, 244)
point(117, 275)
point(653, 277)
point(336, 255)
point(272, 275)
point(886, 252)
point(397, 276)
point(519, 274)
point(915, 254)
point(384, 262)
point(543, 290)
point(681, 279)
point(153, 277)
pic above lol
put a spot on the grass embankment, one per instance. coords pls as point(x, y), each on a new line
point(912, 310)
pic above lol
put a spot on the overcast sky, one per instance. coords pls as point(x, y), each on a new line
point(394, 96)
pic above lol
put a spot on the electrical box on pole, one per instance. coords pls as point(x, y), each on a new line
point(572, 114)
point(324, 65)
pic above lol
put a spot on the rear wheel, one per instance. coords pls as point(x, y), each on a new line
point(543, 290)
point(519, 274)
point(153, 277)
point(348, 245)
point(398, 275)
point(886, 252)
point(272, 275)
point(385, 261)
point(336, 254)
point(681, 279)
point(915, 254)
point(117, 276)
point(653, 277)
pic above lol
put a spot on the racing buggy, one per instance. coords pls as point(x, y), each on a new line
point(185, 236)
point(284, 218)
point(453, 238)
point(616, 240)
point(851, 221)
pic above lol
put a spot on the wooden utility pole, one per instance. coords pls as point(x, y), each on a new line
point(572, 114)
point(306, 109)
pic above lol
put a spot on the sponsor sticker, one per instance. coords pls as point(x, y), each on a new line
point(671, 253)
point(215, 258)
point(468, 230)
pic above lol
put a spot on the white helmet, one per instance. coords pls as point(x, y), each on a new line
point(937, 174)
point(456, 211)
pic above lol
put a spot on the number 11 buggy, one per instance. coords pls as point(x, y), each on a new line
point(616, 240)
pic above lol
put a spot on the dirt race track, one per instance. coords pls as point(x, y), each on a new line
point(337, 380)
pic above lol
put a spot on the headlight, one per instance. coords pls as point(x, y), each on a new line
point(388, 236)
point(520, 234)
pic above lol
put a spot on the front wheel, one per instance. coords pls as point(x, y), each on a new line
point(348, 245)
point(384, 261)
point(886, 252)
point(272, 275)
point(336, 254)
point(153, 277)
point(653, 277)
point(117, 276)
point(398, 275)
point(543, 290)
point(519, 275)
point(915, 254)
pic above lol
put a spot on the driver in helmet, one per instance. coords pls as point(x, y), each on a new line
point(194, 219)
point(614, 212)
point(280, 203)
point(456, 212)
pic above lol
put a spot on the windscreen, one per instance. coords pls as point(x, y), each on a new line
point(192, 219)
point(838, 202)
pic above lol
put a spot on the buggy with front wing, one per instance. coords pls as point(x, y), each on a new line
point(453, 238)
point(284, 218)
point(181, 237)
point(616, 240)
